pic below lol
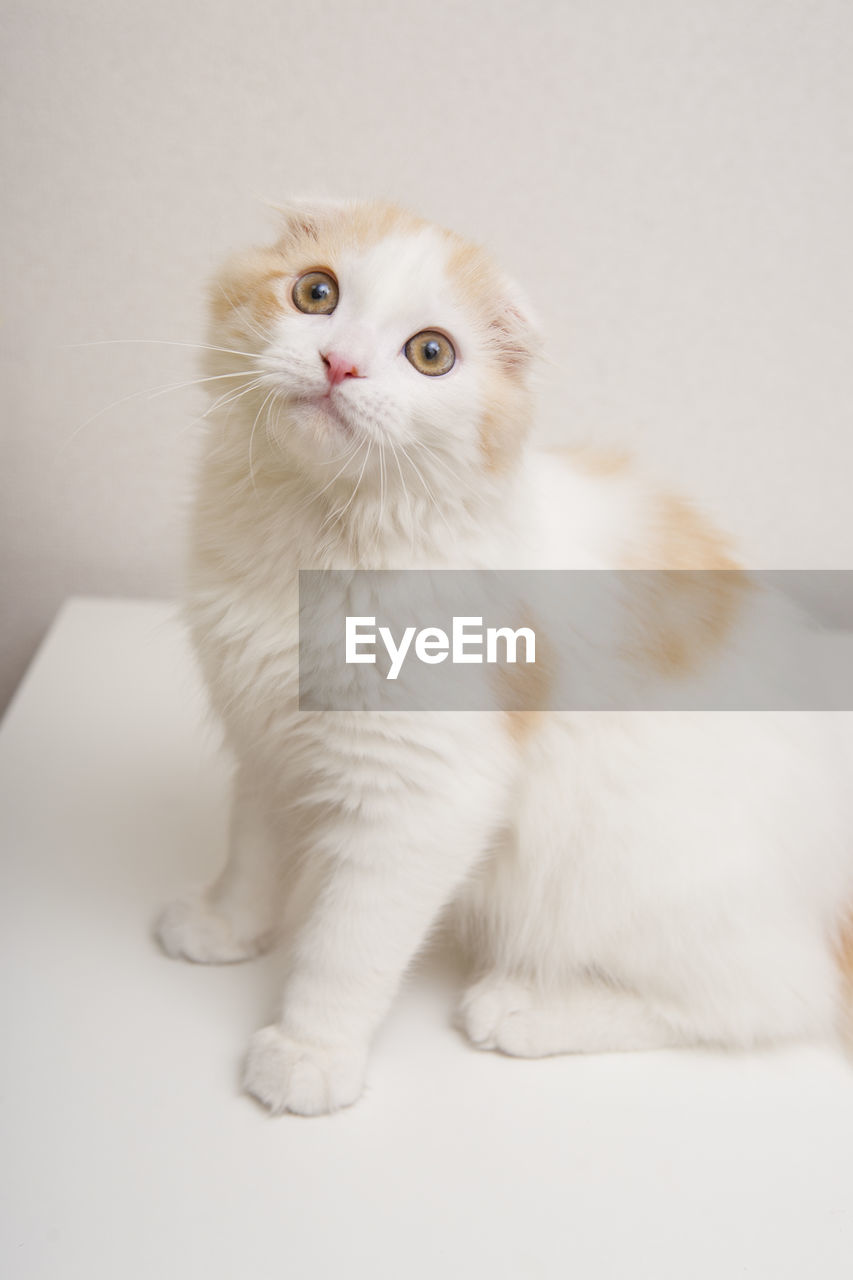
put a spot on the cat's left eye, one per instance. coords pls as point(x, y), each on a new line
point(430, 352)
point(316, 293)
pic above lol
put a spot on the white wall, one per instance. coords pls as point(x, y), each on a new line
point(670, 180)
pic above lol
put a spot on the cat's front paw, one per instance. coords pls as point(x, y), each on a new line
point(307, 1079)
point(194, 930)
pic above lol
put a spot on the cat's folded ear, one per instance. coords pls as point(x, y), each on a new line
point(306, 215)
point(516, 333)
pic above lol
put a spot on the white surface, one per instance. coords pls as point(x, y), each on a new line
point(669, 180)
point(128, 1151)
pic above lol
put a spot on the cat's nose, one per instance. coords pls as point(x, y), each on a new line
point(338, 367)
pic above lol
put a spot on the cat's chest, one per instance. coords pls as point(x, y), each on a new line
point(243, 610)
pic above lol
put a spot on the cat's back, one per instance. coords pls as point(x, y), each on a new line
point(599, 510)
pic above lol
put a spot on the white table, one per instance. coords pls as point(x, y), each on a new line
point(128, 1150)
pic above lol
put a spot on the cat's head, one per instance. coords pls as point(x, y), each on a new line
point(373, 333)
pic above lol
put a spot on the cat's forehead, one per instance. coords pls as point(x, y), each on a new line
point(398, 272)
point(391, 262)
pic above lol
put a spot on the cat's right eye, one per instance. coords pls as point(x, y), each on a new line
point(316, 293)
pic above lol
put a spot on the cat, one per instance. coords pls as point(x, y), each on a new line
point(622, 881)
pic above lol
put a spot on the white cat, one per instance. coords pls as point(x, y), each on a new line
point(623, 880)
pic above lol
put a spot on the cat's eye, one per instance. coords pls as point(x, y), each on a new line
point(316, 293)
point(430, 352)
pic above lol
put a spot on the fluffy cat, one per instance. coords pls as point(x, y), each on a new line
point(623, 880)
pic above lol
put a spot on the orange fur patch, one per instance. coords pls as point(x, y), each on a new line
point(514, 344)
point(522, 725)
point(249, 283)
point(524, 690)
point(845, 962)
point(512, 336)
point(504, 425)
point(596, 462)
point(679, 618)
point(245, 294)
point(678, 537)
point(335, 229)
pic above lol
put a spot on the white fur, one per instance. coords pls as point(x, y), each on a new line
point(624, 881)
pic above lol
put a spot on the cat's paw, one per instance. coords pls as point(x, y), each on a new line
point(488, 1008)
point(307, 1079)
point(498, 1013)
point(192, 929)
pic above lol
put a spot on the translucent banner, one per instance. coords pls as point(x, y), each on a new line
point(579, 640)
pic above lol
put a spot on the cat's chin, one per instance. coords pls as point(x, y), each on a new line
point(325, 420)
point(318, 436)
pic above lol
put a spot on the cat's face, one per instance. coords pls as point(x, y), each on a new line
point(374, 334)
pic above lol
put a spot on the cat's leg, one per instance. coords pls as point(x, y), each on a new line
point(235, 918)
point(707, 958)
point(769, 985)
point(511, 1016)
point(386, 884)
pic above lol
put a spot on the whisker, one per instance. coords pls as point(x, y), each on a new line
point(197, 382)
point(159, 342)
point(381, 483)
point(222, 402)
point(419, 446)
point(341, 511)
point(230, 397)
point(360, 474)
point(152, 393)
point(264, 337)
point(427, 490)
point(407, 497)
point(264, 404)
point(348, 456)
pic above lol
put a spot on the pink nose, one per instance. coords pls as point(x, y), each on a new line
point(338, 367)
